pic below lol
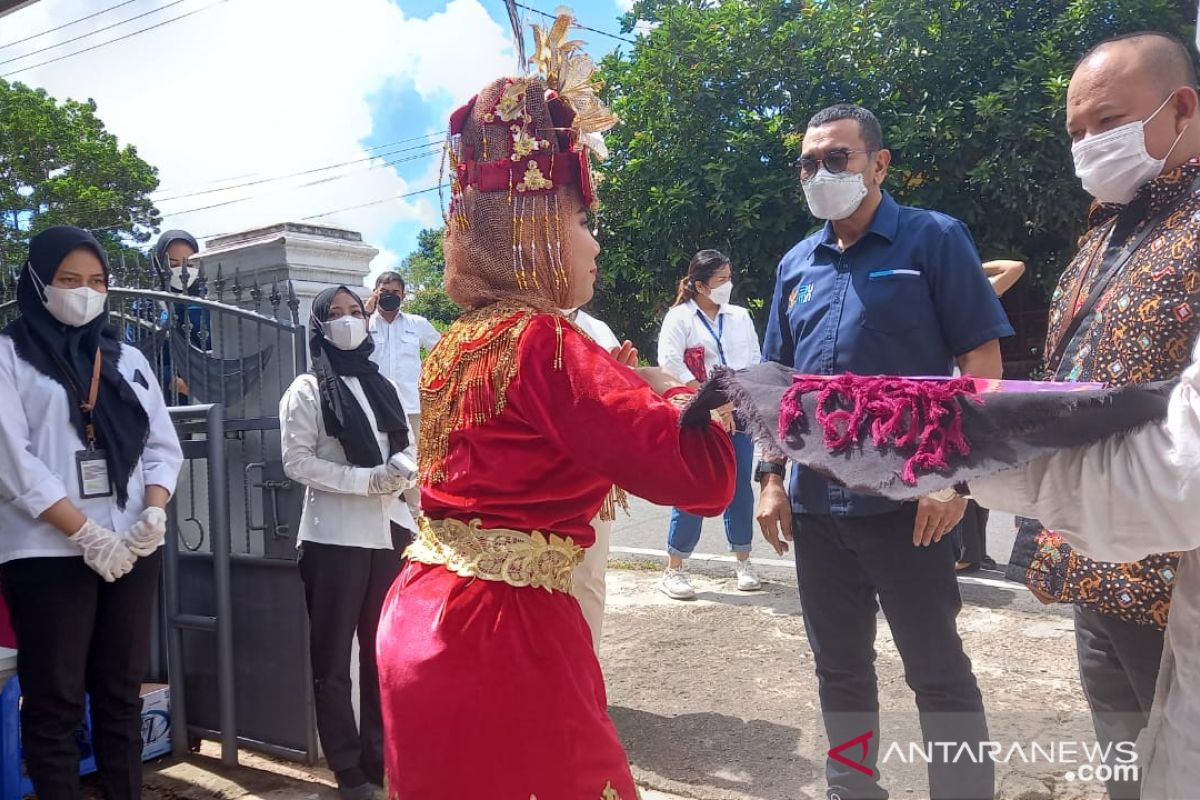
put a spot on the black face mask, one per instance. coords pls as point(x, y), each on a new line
point(389, 302)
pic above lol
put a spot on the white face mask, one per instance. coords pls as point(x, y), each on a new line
point(75, 307)
point(834, 197)
point(1113, 165)
point(177, 277)
point(346, 333)
point(721, 294)
point(72, 307)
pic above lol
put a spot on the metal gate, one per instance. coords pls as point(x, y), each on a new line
point(231, 634)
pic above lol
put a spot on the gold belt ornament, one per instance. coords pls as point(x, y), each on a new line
point(539, 560)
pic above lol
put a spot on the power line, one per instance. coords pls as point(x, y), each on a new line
point(248, 198)
point(66, 25)
point(91, 33)
point(176, 193)
point(576, 24)
point(426, 190)
point(432, 147)
point(324, 214)
point(306, 185)
point(114, 41)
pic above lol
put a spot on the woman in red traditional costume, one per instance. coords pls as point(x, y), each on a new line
point(489, 683)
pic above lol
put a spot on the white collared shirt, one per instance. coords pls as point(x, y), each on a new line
point(38, 445)
point(686, 326)
point(599, 331)
point(337, 508)
point(398, 352)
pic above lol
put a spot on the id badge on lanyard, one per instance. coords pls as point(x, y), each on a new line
point(718, 335)
point(91, 467)
point(91, 464)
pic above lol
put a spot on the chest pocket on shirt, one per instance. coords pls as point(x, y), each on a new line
point(895, 302)
point(142, 392)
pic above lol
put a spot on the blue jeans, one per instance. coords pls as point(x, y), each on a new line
point(684, 532)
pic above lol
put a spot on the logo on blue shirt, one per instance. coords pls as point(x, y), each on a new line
point(801, 294)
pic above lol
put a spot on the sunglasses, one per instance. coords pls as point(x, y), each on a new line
point(835, 161)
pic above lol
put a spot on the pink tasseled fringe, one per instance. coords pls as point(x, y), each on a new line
point(902, 413)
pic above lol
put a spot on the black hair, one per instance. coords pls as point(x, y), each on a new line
point(700, 270)
point(391, 277)
point(868, 123)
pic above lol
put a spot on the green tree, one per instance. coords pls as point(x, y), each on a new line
point(59, 166)
point(715, 99)
point(424, 272)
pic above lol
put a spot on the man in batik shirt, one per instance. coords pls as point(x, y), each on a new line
point(1125, 311)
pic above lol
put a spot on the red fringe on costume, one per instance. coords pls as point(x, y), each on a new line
point(902, 412)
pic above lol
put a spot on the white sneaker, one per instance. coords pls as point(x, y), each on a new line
point(747, 578)
point(676, 585)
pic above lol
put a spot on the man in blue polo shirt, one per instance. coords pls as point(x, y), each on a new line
point(881, 289)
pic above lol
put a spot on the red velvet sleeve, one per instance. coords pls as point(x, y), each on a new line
point(605, 418)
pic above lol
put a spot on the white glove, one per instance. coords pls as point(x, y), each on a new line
point(145, 535)
point(404, 462)
point(104, 551)
point(387, 479)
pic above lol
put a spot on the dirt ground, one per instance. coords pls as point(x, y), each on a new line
point(716, 699)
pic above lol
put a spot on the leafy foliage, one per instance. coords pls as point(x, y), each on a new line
point(715, 99)
point(59, 166)
point(423, 270)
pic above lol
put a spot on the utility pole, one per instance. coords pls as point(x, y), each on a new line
point(12, 5)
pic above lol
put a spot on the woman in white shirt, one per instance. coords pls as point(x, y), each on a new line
point(344, 437)
point(88, 460)
point(702, 331)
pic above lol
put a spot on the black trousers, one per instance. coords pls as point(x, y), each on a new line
point(973, 533)
point(1118, 667)
point(848, 567)
point(344, 588)
point(79, 634)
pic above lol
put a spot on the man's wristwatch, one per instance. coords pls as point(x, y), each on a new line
point(955, 491)
point(766, 468)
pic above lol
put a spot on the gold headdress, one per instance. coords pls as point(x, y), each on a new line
point(547, 139)
point(520, 158)
point(571, 74)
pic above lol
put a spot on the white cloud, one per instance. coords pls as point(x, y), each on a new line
point(387, 259)
point(250, 89)
point(644, 27)
point(625, 6)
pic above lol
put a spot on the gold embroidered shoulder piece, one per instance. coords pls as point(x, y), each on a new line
point(465, 379)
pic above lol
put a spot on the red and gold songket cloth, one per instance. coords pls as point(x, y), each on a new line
point(489, 681)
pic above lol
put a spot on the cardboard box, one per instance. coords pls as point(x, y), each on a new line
point(156, 720)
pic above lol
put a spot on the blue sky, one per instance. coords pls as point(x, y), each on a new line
point(400, 113)
point(263, 111)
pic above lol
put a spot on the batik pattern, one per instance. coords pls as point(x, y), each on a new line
point(1143, 329)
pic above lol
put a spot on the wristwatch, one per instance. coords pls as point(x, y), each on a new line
point(948, 494)
point(766, 468)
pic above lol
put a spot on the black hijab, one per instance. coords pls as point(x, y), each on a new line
point(163, 264)
point(67, 355)
point(344, 418)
